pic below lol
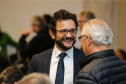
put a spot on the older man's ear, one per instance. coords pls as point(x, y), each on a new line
point(89, 40)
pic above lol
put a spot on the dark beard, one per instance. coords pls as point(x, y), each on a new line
point(61, 45)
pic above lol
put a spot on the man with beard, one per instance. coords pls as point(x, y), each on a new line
point(61, 63)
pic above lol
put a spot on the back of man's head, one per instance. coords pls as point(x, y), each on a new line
point(99, 31)
point(11, 75)
point(35, 78)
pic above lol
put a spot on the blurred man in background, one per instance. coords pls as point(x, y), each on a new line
point(101, 65)
point(41, 42)
point(83, 17)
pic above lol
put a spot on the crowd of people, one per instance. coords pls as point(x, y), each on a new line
point(55, 55)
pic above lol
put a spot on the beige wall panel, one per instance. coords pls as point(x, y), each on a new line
point(121, 24)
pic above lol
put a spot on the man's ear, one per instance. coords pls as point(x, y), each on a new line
point(15, 82)
point(89, 40)
point(52, 34)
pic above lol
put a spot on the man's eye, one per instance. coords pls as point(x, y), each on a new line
point(72, 31)
point(63, 31)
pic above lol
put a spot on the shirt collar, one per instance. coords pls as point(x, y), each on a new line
point(69, 52)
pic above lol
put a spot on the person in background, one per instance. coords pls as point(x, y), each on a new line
point(61, 62)
point(101, 65)
point(46, 19)
point(41, 42)
point(121, 54)
point(35, 78)
point(5, 39)
point(11, 75)
point(83, 17)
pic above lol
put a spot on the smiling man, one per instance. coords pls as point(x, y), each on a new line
point(60, 62)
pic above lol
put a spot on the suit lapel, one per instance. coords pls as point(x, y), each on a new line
point(77, 56)
point(46, 61)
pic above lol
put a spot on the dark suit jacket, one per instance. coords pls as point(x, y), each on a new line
point(41, 62)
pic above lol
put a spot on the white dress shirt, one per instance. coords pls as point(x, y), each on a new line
point(68, 65)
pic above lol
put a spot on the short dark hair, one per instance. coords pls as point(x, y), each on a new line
point(11, 75)
point(47, 18)
point(62, 15)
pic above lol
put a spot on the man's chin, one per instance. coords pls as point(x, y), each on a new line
point(68, 44)
point(67, 48)
point(65, 44)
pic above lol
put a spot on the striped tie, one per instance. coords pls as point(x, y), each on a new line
point(60, 70)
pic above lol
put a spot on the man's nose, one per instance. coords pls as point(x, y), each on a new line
point(68, 34)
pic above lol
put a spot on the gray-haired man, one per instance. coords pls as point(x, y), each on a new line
point(100, 66)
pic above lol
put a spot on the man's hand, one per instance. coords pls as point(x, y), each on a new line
point(26, 33)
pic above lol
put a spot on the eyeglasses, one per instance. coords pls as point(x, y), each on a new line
point(81, 37)
point(64, 32)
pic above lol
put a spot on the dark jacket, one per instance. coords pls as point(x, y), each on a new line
point(102, 68)
point(39, 43)
point(41, 62)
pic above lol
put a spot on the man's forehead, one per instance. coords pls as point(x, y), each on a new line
point(61, 20)
point(68, 23)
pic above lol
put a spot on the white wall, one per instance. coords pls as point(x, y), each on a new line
point(15, 14)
